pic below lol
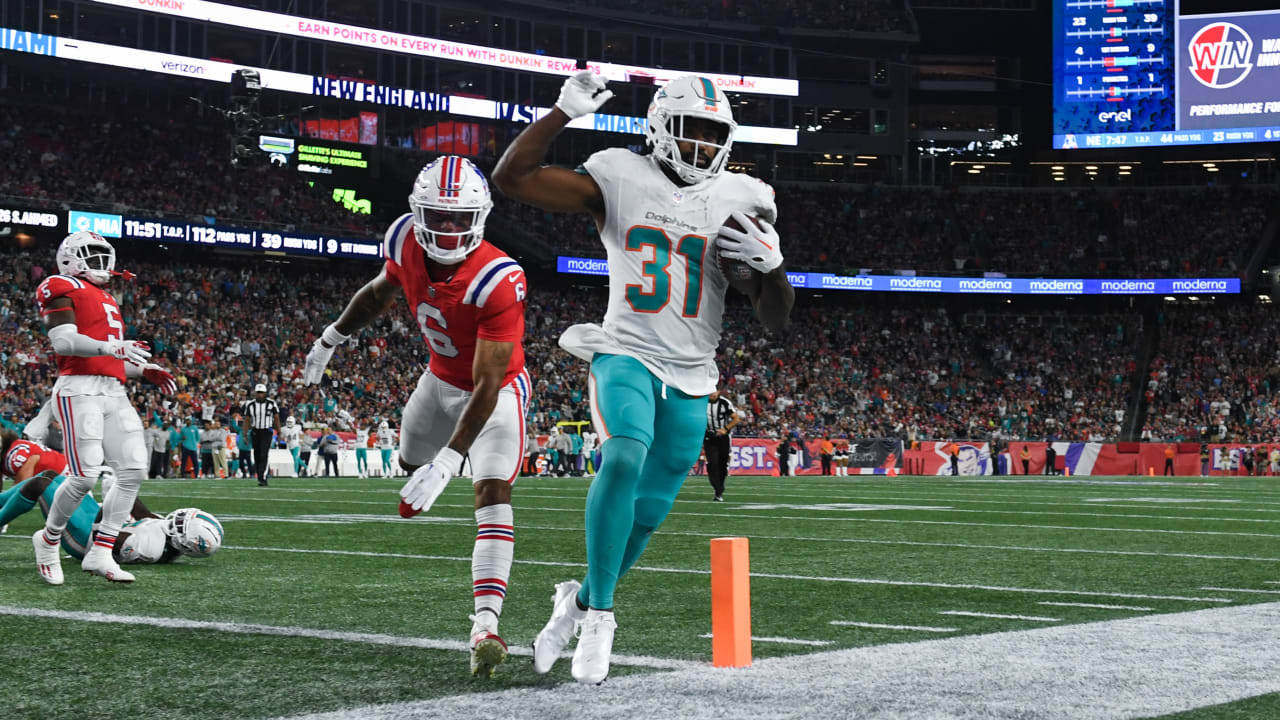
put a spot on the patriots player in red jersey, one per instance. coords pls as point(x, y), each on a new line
point(102, 433)
point(468, 298)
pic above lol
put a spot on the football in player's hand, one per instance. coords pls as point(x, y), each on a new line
point(741, 276)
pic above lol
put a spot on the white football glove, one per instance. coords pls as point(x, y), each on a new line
point(758, 247)
point(318, 358)
point(129, 350)
point(582, 94)
point(428, 481)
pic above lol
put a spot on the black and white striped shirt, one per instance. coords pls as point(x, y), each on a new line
point(720, 413)
point(261, 413)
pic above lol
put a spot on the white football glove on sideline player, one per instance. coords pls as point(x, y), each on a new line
point(582, 94)
point(318, 358)
point(428, 481)
point(758, 247)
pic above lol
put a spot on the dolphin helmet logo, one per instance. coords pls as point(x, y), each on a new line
point(1221, 55)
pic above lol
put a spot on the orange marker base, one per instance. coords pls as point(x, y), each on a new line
point(730, 603)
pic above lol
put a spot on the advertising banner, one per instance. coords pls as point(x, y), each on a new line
point(1229, 71)
point(970, 286)
point(19, 216)
point(369, 38)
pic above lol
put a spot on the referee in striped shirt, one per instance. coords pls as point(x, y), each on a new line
point(721, 417)
point(263, 416)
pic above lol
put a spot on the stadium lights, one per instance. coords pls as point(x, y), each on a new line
point(1212, 169)
point(1090, 167)
point(1059, 178)
point(860, 164)
point(1058, 167)
point(979, 167)
point(1264, 298)
point(1170, 298)
point(1124, 172)
point(1210, 165)
point(974, 171)
point(866, 157)
point(1126, 167)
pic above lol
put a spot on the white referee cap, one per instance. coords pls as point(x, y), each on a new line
point(260, 387)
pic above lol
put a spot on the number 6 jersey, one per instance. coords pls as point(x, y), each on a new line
point(482, 299)
point(666, 292)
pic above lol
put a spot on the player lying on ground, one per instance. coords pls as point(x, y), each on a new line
point(468, 297)
point(147, 539)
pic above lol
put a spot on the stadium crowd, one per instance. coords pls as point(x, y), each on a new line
point(154, 166)
point(861, 371)
point(1124, 233)
point(1215, 377)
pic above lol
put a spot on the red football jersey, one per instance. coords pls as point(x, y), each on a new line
point(484, 299)
point(97, 316)
point(22, 450)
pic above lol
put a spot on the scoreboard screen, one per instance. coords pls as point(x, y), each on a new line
point(1139, 73)
point(321, 158)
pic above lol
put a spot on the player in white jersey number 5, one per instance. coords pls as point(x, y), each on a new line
point(468, 297)
point(660, 217)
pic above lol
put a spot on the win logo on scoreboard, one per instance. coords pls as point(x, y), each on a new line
point(1221, 55)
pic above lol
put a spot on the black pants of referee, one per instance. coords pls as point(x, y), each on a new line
point(261, 448)
point(717, 449)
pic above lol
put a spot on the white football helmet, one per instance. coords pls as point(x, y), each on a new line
point(684, 97)
point(450, 201)
point(195, 532)
point(289, 421)
point(87, 255)
point(383, 425)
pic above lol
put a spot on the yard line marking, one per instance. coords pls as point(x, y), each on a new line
point(1243, 590)
point(292, 631)
point(879, 626)
point(1095, 605)
point(998, 616)
point(1272, 582)
point(1142, 666)
point(772, 576)
point(782, 640)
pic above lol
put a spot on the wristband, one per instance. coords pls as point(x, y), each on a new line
point(332, 337)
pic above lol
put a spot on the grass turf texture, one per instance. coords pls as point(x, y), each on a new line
point(1131, 536)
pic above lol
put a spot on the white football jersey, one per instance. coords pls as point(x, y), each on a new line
point(386, 438)
point(292, 436)
point(146, 542)
point(588, 441)
point(362, 438)
point(666, 291)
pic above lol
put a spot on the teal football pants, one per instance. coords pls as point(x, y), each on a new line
point(75, 539)
point(652, 435)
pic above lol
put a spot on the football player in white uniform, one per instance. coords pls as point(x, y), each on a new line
point(386, 443)
point(662, 218)
point(362, 450)
point(292, 437)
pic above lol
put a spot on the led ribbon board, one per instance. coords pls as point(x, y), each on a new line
point(201, 10)
point(971, 286)
point(279, 80)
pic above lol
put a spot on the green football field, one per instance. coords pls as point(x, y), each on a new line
point(323, 599)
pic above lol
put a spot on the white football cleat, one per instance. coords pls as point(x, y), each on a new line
point(487, 649)
point(595, 645)
point(566, 616)
point(98, 561)
point(48, 563)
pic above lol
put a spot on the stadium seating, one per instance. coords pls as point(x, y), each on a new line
point(864, 371)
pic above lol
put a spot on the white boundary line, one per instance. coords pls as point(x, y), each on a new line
point(782, 640)
point(879, 626)
point(998, 616)
point(292, 631)
point(1095, 605)
point(775, 576)
point(1243, 590)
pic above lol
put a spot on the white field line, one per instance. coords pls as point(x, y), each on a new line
point(782, 640)
point(293, 631)
point(1243, 590)
point(998, 616)
point(859, 518)
point(773, 576)
point(879, 626)
point(1095, 605)
point(423, 519)
point(1272, 582)
point(1134, 667)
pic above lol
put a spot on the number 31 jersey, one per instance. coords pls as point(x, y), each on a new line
point(97, 316)
point(482, 299)
point(666, 292)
